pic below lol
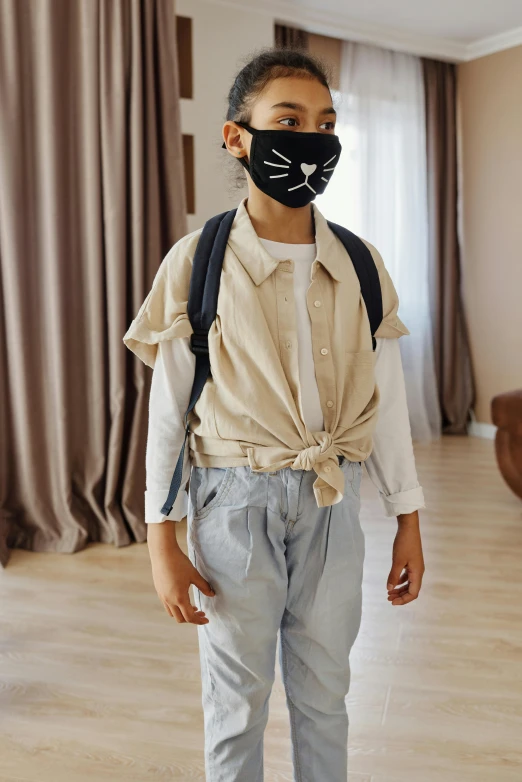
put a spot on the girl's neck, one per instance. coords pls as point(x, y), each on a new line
point(280, 223)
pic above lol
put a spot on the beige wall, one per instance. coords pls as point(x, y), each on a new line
point(490, 106)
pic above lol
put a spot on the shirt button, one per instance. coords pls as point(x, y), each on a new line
point(288, 344)
point(329, 403)
point(317, 303)
point(327, 468)
point(324, 351)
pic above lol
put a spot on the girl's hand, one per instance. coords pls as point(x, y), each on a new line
point(403, 587)
point(173, 573)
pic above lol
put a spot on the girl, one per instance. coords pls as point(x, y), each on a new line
point(296, 402)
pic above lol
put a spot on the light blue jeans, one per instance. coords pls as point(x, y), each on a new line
point(277, 562)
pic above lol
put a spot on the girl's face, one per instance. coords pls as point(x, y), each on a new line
point(291, 103)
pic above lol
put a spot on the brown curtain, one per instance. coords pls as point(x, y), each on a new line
point(451, 345)
point(91, 198)
point(290, 37)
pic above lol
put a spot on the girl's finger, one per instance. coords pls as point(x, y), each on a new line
point(397, 593)
point(415, 578)
point(176, 613)
point(403, 599)
point(402, 579)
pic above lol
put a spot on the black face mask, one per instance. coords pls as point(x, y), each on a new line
point(290, 166)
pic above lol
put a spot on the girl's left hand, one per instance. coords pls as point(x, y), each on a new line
point(405, 579)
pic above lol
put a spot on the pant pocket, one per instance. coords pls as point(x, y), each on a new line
point(356, 478)
point(208, 488)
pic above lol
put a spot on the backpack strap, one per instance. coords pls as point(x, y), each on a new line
point(367, 273)
point(201, 309)
point(205, 277)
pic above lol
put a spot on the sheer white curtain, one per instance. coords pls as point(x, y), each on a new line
point(379, 191)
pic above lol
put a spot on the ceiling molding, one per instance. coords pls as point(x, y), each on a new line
point(340, 26)
point(318, 21)
point(494, 43)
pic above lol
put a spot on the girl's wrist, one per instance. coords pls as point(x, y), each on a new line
point(161, 536)
point(408, 519)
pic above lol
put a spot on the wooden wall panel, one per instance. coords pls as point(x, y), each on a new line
point(188, 159)
point(184, 49)
point(328, 49)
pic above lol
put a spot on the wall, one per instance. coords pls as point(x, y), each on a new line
point(222, 37)
point(490, 109)
point(329, 50)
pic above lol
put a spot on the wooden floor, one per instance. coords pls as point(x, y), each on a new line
point(97, 683)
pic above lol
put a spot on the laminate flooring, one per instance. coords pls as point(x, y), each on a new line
point(98, 683)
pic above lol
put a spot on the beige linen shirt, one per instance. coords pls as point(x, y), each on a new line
point(250, 410)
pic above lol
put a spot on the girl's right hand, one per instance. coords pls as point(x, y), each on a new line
point(173, 573)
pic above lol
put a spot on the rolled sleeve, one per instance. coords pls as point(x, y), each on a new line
point(403, 501)
point(154, 501)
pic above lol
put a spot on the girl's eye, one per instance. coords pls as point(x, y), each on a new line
point(330, 123)
point(289, 119)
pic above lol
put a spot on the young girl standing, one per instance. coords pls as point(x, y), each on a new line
point(297, 400)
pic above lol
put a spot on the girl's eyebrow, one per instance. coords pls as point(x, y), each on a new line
point(299, 107)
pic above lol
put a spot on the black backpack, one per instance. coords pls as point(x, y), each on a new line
point(203, 297)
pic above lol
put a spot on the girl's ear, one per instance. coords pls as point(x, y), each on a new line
point(235, 139)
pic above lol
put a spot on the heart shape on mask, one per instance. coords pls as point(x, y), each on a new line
point(308, 168)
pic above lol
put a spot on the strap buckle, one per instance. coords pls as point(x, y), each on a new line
point(199, 343)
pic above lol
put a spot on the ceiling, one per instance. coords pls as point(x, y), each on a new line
point(465, 21)
point(450, 29)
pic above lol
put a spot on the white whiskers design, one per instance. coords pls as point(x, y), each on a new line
point(303, 184)
point(328, 169)
point(277, 165)
point(280, 155)
point(307, 169)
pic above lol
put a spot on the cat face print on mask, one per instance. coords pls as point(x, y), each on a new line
point(291, 166)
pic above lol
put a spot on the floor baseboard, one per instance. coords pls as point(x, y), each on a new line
point(476, 429)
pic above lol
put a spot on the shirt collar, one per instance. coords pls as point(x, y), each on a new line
point(260, 264)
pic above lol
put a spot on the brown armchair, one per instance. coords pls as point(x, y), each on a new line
point(506, 412)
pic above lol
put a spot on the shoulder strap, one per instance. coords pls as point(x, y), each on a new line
point(367, 273)
point(206, 275)
point(201, 309)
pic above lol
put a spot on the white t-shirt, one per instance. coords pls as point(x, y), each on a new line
point(303, 256)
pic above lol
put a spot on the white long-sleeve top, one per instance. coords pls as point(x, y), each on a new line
point(391, 464)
